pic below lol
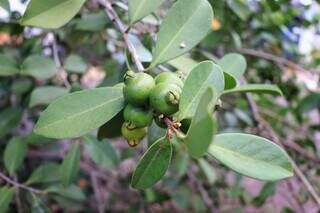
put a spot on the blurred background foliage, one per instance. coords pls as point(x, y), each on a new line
point(280, 40)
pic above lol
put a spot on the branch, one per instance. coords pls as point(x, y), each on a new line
point(262, 124)
point(274, 58)
point(61, 71)
point(113, 16)
point(19, 185)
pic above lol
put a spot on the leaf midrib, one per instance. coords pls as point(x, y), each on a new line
point(137, 11)
point(195, 97)
point(175, 36)
point(79, 114)
point(151, 161)
point(246, 157)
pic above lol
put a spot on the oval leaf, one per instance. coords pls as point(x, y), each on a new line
point(78, 113)
point(75, 64)
point(10, 118)
point(252, 156)
point(203, 127)
point(256, 88)
point(51, 14)
point(185, 25)
point(139, 9)
point(6, 197)
point(8, 66)
point(70, 165)
point(204, 75)
point(102, 153)
point(14, 154)
point(45, 173)
point(153, 164)
point(46, 94)
point(233, 63)
point(38, 67)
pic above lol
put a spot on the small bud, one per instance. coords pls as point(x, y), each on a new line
point(133, 143)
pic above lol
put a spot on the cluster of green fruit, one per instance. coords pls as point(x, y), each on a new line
point(148, 98)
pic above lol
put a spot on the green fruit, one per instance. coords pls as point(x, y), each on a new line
point(132, 134)
point(138, 116)
point(137, 88)
point(169, 78)
point(164, 98)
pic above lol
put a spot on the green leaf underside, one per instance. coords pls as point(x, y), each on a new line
point(70, 165)
point(204, 75)
point(252, 156)
point(46, 95)
point(203, 126)
point(6, 196)
point(48, 14)
point(78, 113)
point(256, 88)
point(185, 25)
point(139, 9)
point(153, 164)
point(14, 154)
point(234, 64)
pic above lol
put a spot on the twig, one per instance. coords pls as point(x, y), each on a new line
point(97, 192)
point(263, 125)
point(113, 16)
point(274, 58)
point(19, 185)
point(17, 197)
point(61, 71)
point(204, 194)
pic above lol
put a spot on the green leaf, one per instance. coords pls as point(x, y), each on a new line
point(181, 163)
point(240, 8)
point(8, 66)
point(14, 154)
point(252, 156)
point(70, 165)
point(256, 88)
point(155, 133)
point(139, 9)
point(208, 171)
point(71, 192)
point(92, 22)
point(38, 67)
point(102, 153)
point(183, 63)
point(153, 164)
point(45, 173)
point(112, 128)
point(185, 25)
point(46, 95)
point(6, 196)
point(78, 113)
point(10, 118)
point(234, 64)
point(204, 75)
point(5, 5)
point(21, 86)
point(268, 189)
point(203, 126)
point(52, 14)
point(229, 81)
point(75, 64)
